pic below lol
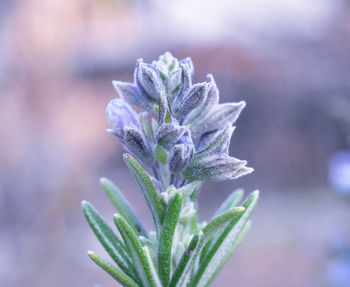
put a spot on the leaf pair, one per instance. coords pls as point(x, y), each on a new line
point(134, 260)
point(216, 241)
point(191, 256)
point(114, 247)
point(140, 256)
point(222, 247)
point(132, 256)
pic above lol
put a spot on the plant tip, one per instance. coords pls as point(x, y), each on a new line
point(240, 209)
point(117, 216)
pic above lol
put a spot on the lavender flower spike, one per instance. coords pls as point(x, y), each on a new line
point(181, 139)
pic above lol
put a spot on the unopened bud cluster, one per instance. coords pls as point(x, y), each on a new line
point(184, 132)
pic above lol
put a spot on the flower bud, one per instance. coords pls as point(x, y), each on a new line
point(219, 116)
point(120, 115)
point(179, 82)
point(191, 100)
point(188, 62)
point(164, 110)
point(211, 101)
point(149, 80)
point(174, 82)
point(169, 61)
point(221, 167)
point(181, 154)
point(169, 134)
point(216, 142)
point(138, 145)
point(132, 94)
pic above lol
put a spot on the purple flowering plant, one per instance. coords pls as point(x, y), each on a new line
point(180, 139)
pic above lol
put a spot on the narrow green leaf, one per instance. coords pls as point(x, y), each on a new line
point(223, 245)
point(113, 245)
point(189, 253)
point(167, 236)
point(123, 206)
point(243, 233)
point(177, 251)
point(205, 250)
point(191, 261)
point(193, 197)
point(211, 230)
point(138, 256)
point(117, 274)
point(147, 188)
point(232, 201)
point(195, 193)
point(238, 240)
point(145, 241)
point(220, 222)
point(155, 275)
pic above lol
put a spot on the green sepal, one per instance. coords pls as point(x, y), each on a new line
point(161, 155)
point(117, 274)
point(136, 252)
point(167, 236)
point(145, 126)
point(153, 200)
point(123, 206)
point(109, 240)
point(154, 125)
point(223, 245)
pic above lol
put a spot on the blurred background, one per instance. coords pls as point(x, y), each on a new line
point(289, 60)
